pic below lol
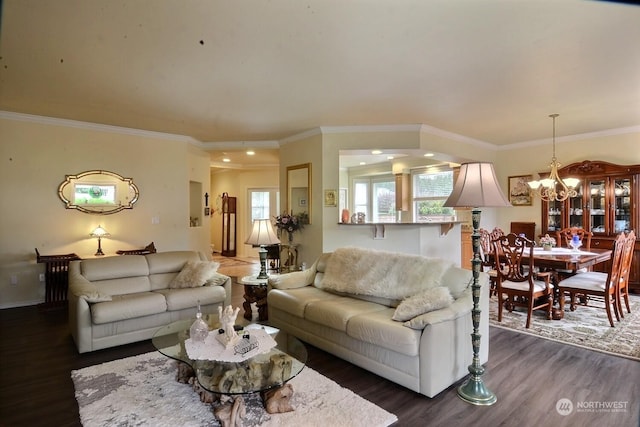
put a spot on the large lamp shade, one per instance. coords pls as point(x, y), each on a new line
point(262, 234)
point(477, 186)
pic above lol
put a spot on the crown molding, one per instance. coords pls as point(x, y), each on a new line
point(571, 138)
point(54, 121)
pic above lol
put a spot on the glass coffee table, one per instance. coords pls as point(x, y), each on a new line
point(266, 373)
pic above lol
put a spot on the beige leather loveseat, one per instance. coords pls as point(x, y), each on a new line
point(122, 299)
point(345, 304)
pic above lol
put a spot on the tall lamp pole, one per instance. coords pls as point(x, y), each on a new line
point(476, 187)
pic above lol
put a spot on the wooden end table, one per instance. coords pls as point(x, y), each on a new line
point(255, 290)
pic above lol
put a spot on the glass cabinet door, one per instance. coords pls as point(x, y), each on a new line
point(622, 204)
point(554, 218)
point(576, 208)
point(597, 206)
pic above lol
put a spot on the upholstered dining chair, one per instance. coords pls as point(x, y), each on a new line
point(625, 271)
point(594, 286)
point(518, 283)
point(564, 236)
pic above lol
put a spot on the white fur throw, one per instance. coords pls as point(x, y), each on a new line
point(380, 273)
point(423, 302)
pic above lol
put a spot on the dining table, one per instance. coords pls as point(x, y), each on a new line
point(567, 260)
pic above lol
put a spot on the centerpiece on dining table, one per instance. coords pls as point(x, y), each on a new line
point(547, 242)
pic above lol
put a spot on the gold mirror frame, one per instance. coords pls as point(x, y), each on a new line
point(98, 192)
point(299, 190)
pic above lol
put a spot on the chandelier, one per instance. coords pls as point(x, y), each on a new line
point(553, 187)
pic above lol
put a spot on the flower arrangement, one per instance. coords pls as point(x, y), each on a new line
point(547, 241)
point(289, 222)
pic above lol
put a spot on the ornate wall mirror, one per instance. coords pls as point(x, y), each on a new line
point(299, 191)
point(98, 192)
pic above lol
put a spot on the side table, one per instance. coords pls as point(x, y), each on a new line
point(255, 290)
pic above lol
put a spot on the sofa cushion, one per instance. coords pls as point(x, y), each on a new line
point(128, 306)
point(377, 328)
point(125, 285)
point(170, 262)
point(194, 274)
point(115, 267)
point(423, 302)
point(336, 312)
point(178, 299)
point(295, 301)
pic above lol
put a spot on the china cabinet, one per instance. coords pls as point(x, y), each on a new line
point(605, 204)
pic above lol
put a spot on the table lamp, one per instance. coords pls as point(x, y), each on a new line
point(476, 187)
point(262, 235)
point(99, 232)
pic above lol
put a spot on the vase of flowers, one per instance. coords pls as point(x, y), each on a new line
point(290, 223)
point(547, 242)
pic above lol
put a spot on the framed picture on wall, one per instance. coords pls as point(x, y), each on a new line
point(330, 198)
point(519, 191)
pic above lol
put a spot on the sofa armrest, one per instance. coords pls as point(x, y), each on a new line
point(80, 287)
point(293, 280)
point(224, 281)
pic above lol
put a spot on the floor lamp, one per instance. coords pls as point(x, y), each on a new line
point(262, 235)
point(476, 187)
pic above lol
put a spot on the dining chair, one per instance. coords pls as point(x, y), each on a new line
point(518, 286)
point(596, 286)
point(625, 271)
point(564, 236)
point(486, 251)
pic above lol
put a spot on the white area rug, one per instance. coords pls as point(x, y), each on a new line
point(142, 391)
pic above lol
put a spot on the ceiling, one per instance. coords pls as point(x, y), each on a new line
point(235, 74)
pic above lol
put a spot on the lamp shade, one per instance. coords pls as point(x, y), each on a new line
point(477, 186)
point(99, 232)
point(262, 234)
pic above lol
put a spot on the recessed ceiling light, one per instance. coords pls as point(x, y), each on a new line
point(226, 159)
point(250, 152)
point(376, 152)
point(429, 155)
point(363, 163)
point(389, 157)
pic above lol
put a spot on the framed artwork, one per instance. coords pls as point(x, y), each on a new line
point(519, 191)
point(330, 198)
point(302, 202)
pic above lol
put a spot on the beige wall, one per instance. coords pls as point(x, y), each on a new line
point(621, 149)
point(37, 154)
point(237, 183)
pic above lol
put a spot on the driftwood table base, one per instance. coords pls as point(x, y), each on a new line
point(232, 410)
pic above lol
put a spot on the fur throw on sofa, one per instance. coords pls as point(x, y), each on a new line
point(382, 274)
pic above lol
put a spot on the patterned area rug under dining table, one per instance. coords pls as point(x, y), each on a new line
point(586, 327)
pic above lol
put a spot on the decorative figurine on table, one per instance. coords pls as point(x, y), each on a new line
point(227, 335)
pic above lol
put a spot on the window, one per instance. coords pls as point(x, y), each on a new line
point(430, 191)
point(263, 203)
point(376, 198)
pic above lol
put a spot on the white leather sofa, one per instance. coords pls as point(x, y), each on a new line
point(426, 353)
point(122, 299)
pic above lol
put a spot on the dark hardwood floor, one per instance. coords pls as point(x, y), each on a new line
point(528, 374)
